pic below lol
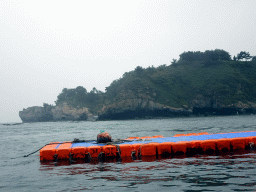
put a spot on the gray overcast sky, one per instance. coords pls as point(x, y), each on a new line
point(48, 45)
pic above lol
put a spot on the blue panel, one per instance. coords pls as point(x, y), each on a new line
point(57, 146)
point(82, 145)
point(175, 139)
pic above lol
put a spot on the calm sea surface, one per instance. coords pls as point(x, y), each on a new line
point(232, 172)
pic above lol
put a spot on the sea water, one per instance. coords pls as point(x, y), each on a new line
point(230, 172)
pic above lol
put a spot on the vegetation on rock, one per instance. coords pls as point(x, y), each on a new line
point(79, 98)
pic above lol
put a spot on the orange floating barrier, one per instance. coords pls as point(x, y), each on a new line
point(79, 152)
point(148, 149)
point(126, 150)
point(250, 142)
point(63, 151)
point(180, 147)
point(164, 148)
point(237, 143)
point(48, 152)
point(253, 142)
point(109, 150)
point(202, 133)
point(196, 144)
point(146, 137)
point(158, 136)
point(223, 144)
point(253, 139)
point(189, 134)
point(94, 150)
point(131, 138)
point(208, 145)
point(136, 148)
point(194, 147)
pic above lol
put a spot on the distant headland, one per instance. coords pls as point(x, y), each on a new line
point(199, 83)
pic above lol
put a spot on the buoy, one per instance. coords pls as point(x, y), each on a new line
point(103, 137)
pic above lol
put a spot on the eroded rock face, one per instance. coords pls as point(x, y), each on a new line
point(63, 112)
point(142, 105)
point(131, 105)
point(35, 114)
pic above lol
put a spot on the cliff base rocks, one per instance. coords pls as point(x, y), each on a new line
point(63, 112)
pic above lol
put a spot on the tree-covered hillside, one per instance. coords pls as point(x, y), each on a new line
point(197, 79)
point(211, 75)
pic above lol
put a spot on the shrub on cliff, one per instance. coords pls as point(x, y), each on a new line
point(79, 98)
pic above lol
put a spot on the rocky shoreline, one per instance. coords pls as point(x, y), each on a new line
point(148, 109)
point(63, 112)
point(136, 108)
point(139, 114)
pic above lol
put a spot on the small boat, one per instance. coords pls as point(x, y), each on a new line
point(156, 146)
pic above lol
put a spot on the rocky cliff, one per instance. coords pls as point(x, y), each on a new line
point(35, 114)
point(63, 112)
point(210, 106)
point(132, 104)
point(137, 104)
point(217, 87)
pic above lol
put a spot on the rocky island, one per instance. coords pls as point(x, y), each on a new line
point(199, 83)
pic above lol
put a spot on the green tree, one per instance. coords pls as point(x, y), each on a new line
point(81, 90)
point(208, 55)
point(139, 70)
point(248, 56)
point(74, 97)
point(243, 55)
point(80, 97)
point(222, 55)
point(162, 67)
point(150, 70)
point(62, 96)
point(188, 56)
point(174, 61)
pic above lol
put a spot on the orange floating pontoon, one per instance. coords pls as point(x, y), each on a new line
point(136, 147)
